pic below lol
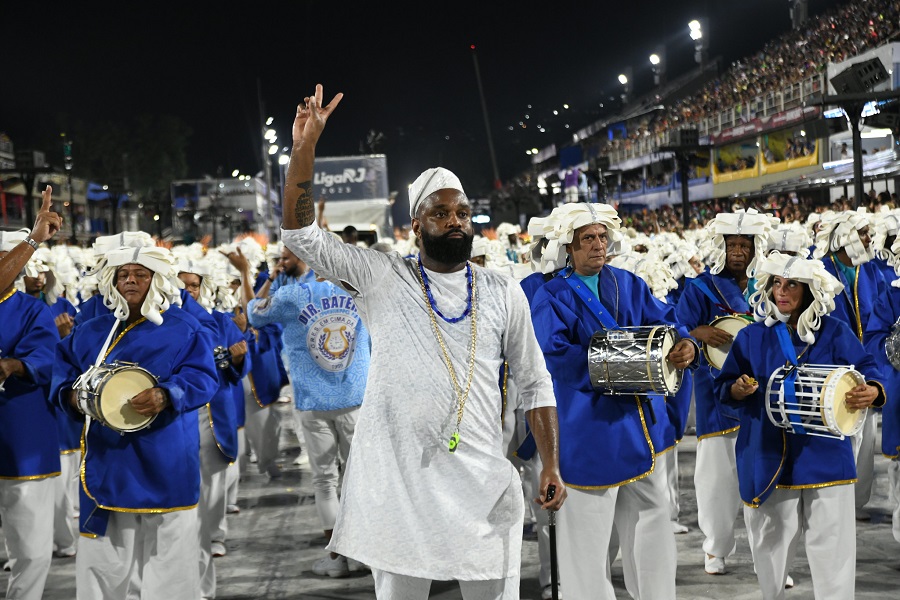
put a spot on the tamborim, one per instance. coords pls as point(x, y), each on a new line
point(715, 356)
point(103, 392)
point(632, 360)
point(818, 407)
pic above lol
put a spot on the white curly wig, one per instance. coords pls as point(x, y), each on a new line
point(789, 238)
point(655, 273)
point(744, 223)
point(822, 285)
point(887, 224)
point(164, 285)
point(560, 225)
point(203, 270)
point(841, 230)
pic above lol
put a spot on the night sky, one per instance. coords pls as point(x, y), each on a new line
point(406, 71)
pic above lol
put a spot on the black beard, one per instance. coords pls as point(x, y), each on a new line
point(445, 250)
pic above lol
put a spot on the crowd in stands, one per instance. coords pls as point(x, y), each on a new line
point(788, 208)
point(844, 32)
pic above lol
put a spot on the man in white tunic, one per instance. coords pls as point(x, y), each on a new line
point(428, 492)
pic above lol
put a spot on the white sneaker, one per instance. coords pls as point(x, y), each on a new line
point(64, 552)
point(302, 459)
point(252, 458)
point(333, 567)
point(217, 549)
point(232, 509)
point(678, 528)
point(357, 567)
point(547, 592)
point(714, 565)
point(789, 582)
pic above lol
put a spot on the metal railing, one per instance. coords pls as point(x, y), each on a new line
point(771, 103)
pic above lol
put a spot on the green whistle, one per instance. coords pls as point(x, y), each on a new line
point(454, 442)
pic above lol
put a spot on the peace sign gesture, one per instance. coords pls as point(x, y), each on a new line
point(311, 117)
point(47, 222)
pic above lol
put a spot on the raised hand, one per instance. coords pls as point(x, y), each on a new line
point(311, 117)
point(237, 260)
point(47, 222)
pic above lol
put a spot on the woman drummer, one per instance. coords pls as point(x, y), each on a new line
point(793, 483)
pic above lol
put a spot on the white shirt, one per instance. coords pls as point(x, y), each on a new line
point(408, 505)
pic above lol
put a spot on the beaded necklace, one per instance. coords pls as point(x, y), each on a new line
point(471, 308)
point(469, 294)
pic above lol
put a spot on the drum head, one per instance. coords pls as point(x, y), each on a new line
point(847, 420)
point(671, 375)
point(115, 394)
point(716, 356)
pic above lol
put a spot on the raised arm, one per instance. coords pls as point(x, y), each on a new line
point(299, 209)
point(46, 225)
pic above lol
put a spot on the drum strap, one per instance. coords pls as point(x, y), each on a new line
point(708, 293)
point(787, 348)
point(590, 301)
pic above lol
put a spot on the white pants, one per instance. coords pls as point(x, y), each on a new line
point(391, 586)
point(26, 508)
point(262, 428)
point(328, 434)
point(894, 495)
point(211, 509)
point(532, 485)
point(826, 516)
point(864, 451)
point(142, 556)
point(718, 495)
point(640, 512)
point(65, 528)
point(669, 462)
point(232, 479)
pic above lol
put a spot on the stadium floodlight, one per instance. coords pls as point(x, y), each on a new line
point(623, 79)
point(696, 30)
point(654, 59)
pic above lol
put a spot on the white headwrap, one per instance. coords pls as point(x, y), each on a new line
point(789, 238)
point(11, 239)
point(164, 285)
point(504, 230)
point(741, 222)
point(479, 246)
point(203, 270)
point(841, 230)
point(823, 285)
point(559, 228)
point(430, 181)
point(126, 239)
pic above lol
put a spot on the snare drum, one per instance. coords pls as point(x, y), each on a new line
point(892, 346)
point(729, 324)
point(632, 360)
point(819, 407)
point(103, 393)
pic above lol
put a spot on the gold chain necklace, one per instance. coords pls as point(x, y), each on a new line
point(461, 395)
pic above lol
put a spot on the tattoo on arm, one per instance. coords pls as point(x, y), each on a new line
point(304, 211)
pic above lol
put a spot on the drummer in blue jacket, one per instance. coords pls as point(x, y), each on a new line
point(140, 488)
point(629, 490)
point(739, 241)
point(795, 473)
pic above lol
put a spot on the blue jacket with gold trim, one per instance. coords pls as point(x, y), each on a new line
point(854, 305)
point(695, 308)
point(267, 373)
point(29, 446)
point(604, 441)
point(882, 319)
point(222, 410)
point(767, 455)
point(156, 469)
